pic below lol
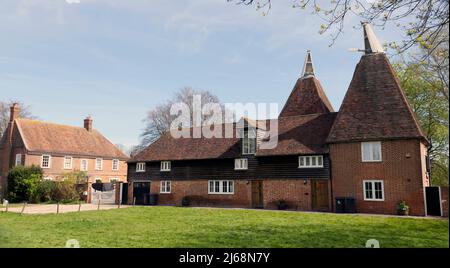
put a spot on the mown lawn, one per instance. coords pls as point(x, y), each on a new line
point(202, 227)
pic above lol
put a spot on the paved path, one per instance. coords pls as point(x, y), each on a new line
point(48, 209)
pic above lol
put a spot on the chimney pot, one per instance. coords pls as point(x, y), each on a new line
point(14, 112)
point(88, 123)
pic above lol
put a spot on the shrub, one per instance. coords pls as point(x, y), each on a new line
point(23, 183)
point(44, 191)
point(282, 204)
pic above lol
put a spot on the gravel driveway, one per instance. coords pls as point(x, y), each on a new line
point(47, 209)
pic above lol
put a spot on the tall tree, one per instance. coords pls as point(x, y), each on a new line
point(420, 20)
point(25, 112)
point(159, 119)
point(424, 91)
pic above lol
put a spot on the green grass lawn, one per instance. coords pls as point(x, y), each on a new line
point(194, 227)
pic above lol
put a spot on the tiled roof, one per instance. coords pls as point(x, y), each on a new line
point(296, 135)
point(304, 134)
point(374, 107)
point(307, 97)
point(43, 137)
point(169, 148)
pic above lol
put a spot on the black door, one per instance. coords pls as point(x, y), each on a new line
point(141, 190)
point(124, 193)
point(433, 201)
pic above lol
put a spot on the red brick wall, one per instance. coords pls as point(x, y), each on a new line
point(401, 171)
point(444, 200)
point(295, 192)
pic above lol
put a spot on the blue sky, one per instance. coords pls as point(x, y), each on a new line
point(117, 59)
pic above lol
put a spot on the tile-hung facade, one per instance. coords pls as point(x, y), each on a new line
point(372, 150)
point(59, 149)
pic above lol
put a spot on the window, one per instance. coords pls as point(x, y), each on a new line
point(249, 142)
point(310, 161)
point(46, 161)
point(18, 159)
point(165, 165)
point(373, 190)
point(84, 165)
point(165, 187)
point(115, 164)
point(98, 164)
point(67, 162)
point(240, 163)
point(140, 167)
point(221, 187)
point(371, 151)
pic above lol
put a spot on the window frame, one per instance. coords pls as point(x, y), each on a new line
point(165, 168)
point(140, 167)
point(71, 162)
point(81, 165)
point(101, 164)
point(242, 167)
point(18, 157)
point(221, 187)
point(371, 152)
point(309, 159)
point(164, 185)
point(373, 190)
point(118, 165)
point(251, 146)
point(49, 161)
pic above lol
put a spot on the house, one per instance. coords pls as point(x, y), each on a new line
point(59, 149)
point(370, 155)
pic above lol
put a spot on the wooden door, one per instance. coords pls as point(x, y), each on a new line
point(257, 194)
point(319, 189)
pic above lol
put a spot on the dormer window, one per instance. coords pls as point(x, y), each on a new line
point(165, 165)
point(140, 167)
point(310, 161)
point(249, 142)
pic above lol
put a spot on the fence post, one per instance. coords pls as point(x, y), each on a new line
point(57, 207)
point(98, 207)
point(134, 201)
point(79, 206)
point(23, 208)
point(7, 205)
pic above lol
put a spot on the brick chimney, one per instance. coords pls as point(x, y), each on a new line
point(14, 111)
point(88, 123)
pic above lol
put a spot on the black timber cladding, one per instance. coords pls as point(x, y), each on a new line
point(273, 167)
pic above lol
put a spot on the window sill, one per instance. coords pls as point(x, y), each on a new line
point(140, 171)
point(374, 200)
point(372, 161)
point(312, 167)
point(221, 193)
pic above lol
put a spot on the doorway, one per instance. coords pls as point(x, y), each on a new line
point(433, 197)
point(141, 190)
point(319, 190)
point(257, 194)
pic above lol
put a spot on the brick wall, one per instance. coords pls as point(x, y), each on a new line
point(401, 170)
point(57, 168)
point(444, 200)
point(295, 192)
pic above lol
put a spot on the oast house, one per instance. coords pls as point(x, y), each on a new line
point(367, 157)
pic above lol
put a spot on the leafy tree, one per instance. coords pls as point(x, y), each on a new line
point(23, 182)
point(422, 21)
point(424, 91)
point(25, 112)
